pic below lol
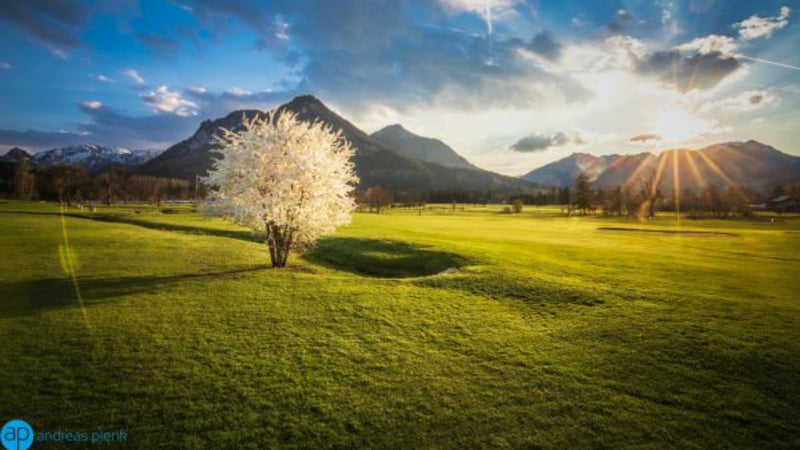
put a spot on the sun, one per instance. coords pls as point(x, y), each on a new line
point(676, 125)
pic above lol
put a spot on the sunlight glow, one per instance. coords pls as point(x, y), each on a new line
point(677, 125)
point(69, 264)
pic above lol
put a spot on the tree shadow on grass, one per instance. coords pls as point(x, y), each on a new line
point(30, 296)
point(382, 258)
point(126, 219)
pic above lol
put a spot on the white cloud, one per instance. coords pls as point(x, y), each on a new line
point(93, 104)
point(166, 101)
point(101, 78)
point(59, 53)
point(4, 65)
point(756, 27)
point(281, 28)
point(489, 10)
point(711, 43)
point(133, 75)
point(239, 92)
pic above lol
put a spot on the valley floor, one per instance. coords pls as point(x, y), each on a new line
point(452, 329)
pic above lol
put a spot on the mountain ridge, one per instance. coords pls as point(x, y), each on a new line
point(376, 163)
point(748, 163)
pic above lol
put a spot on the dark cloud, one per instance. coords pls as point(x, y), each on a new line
point(755, 99)
point(357, 54)
point(52, 22)
point(218, 104)
point(40, 140)
point(646, 137)
point(110, 127)
point(614, 28)
point(685, 73)
point(539, 142)
point(544, 44)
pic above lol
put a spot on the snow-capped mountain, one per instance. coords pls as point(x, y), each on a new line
point(93, 157)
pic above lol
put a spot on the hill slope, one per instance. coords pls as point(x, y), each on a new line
point(420, 148)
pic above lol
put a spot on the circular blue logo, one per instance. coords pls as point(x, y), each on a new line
point(16, 435)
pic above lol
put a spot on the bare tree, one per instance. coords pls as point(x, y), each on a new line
point(376, 197)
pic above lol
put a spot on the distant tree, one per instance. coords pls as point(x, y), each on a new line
point(67, 183)
point(516, 206)
point(583, 193)
point(24, 181)
point(649, 193)
point(110, 182)
point(616, 203)
point(793, 191)
point(377, 198)
point(291, 179)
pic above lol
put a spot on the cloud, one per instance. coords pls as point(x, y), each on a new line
point(101, 78)
point(53, 23)
point(540, 142)
point(59, 53)
point(401, 59)
point(646, 137)
point(171, 102)
point(545, 45)
point(756, 27)
point(92, 104)
point(238, 92)
point(133, 74)
point(686, 73)
point(713, 43)
point(218, 104)
point(5, 65)
point(39, 140)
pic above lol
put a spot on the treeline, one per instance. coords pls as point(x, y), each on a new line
point(376, 198)
point(644, 197)
point(72, 184)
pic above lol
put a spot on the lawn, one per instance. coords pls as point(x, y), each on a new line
point(453, 329)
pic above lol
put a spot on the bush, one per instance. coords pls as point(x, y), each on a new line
point(516, 206)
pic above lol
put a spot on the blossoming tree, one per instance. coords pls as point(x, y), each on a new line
point(290, 179)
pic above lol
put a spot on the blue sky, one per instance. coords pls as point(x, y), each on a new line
point(509, 84)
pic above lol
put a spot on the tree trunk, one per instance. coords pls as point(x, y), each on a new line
point(279, 243)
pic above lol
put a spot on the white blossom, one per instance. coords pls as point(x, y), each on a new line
point(290, 179)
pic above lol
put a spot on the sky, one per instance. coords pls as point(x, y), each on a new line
point(509, 84)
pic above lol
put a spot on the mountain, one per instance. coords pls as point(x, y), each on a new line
point(15, 155)
point(93, 157)
point(749, 164)
point(564, 171)
point(420, 148)
point(375, 162)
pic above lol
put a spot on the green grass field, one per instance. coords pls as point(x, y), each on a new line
point(446, 330)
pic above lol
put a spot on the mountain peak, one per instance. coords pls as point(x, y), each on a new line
point(15, 155)
point(410, 145)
